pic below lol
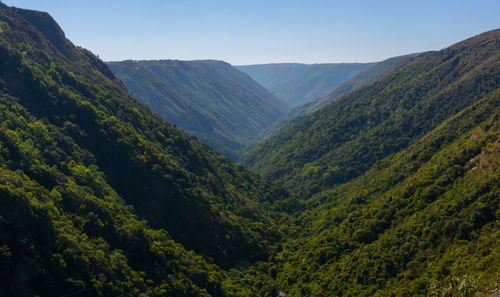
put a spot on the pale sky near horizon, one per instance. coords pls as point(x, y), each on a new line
point(254, 32)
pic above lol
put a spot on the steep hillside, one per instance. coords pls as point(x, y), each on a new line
point(210, 99)
point(76, 148)
point(297, 84)
point(422, 222)
point(344, 139)
point(357, 81)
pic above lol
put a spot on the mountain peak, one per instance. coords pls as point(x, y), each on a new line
point(44, 26)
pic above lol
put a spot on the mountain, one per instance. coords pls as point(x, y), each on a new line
point(367, 77)
point(297, 84)
point(357, 81)
point(345, 138)
point(101, 197)
point(401, 181)
point(422, 222)
point(222, 106)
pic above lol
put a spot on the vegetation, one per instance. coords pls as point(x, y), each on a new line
point(401, 181)
point(423, 222)
point(357, 81)
point(344, 139)
point(367, 77)
point(100, 197)
point(222, 106)
point(64, 230)
point(76, 146)
point(297, 84)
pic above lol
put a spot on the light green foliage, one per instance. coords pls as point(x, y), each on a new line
point(417, 221)
point(401, 181)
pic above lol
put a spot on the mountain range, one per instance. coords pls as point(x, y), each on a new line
point(391, 189)
point(227, 109)
point(344, 139)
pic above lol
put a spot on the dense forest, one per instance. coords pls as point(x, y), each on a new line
point(422, 222)
point(391, 190)
point(210, 99)
point(401, 182)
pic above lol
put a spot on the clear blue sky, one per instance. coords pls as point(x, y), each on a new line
point(265, 31)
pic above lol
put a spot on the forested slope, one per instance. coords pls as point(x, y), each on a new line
point(76, 148)
point(367, 77)
point(344, 139)
point(222, 106)
point(422, 222)
point(399, 184)
point(364, 78)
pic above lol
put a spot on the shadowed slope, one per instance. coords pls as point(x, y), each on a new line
point(219, 104)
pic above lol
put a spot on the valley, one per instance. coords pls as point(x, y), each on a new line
point(199, 178)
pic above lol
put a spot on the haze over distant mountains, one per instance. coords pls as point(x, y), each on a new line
point(364, 78)
point(297, 83)
point(222, 106)
point(343, 139)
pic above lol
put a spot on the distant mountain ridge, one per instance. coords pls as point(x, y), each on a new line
point(297, 83)
point(364, 78)
point(222, 106)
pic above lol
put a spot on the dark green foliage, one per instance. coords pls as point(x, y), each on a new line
point(297, 84)
point(65, 230)
point(222, 106)
point(344, 139)
point(73, 144)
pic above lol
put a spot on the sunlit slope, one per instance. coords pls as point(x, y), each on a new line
point(345, 138)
